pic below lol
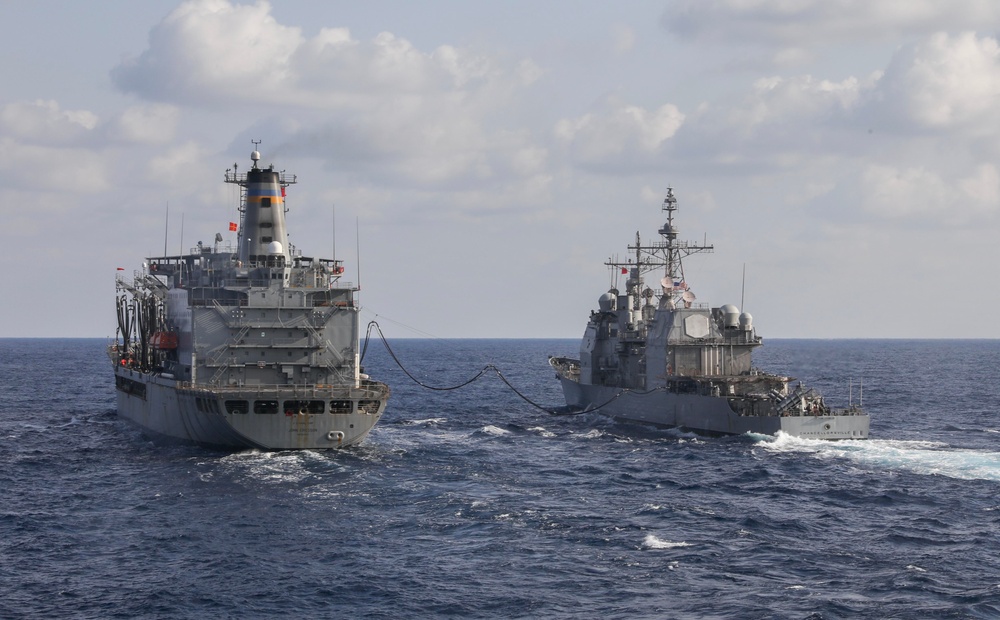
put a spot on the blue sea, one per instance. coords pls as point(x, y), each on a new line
point(473, 503)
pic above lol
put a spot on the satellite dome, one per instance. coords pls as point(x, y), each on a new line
point(606, 302)
point(730, 315)
point(746, 322)
point(275, 248)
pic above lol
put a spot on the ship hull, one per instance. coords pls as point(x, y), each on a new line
point(705, 414)
point(168, 409)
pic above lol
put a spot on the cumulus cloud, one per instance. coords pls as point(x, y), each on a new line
point(145, 124)
point(923, 192)
point(807, 22)
point(410, 116)
point(903, 143)
point(52, 168)
point(795, 101)
point(944, 82)
point(211, 51)
point(619, 132)
point(44, 122)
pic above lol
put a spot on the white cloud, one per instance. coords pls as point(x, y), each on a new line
point(796, 102)
point(44, 122)
point(619, 132)
point(408, 116)
point(929, 199)
point(52, 169)
point(623, 38)
point(809, 22)
point(212, 50)
point(145, 124)
point(983, 188)
point(896, 193)
point(176, 165)
point(943, 82)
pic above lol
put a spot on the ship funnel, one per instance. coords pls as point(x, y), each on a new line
point(264, 238)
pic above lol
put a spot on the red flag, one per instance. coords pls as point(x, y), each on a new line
point(121, 269)
point(624, 270)
point(282, 191)
point(232, 226)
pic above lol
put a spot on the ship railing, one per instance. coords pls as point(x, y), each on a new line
point(210, 296)
point(366, 389)
point(304, 342)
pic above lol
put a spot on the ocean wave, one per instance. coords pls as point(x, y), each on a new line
point(652, 542)
point(423, 422)
point(542, 431)
point(496, 431)
point(914, 456)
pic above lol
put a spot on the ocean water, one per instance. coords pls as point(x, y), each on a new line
point(475, 504)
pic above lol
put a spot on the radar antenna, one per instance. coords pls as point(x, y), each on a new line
point(667, 254)
point(255, 156)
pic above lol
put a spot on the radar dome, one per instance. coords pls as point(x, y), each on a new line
point(746, 322)
point(255, 156)
point(730, 315)
point(606, 302)
point(274, 248)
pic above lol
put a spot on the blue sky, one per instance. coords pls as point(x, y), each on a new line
point(491, 156)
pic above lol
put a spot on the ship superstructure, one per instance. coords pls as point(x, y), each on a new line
point(253, 346)
point(657, 355)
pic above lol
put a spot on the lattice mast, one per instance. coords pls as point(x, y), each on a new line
point(667, 254)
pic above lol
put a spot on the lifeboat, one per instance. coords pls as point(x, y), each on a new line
point(164, 340)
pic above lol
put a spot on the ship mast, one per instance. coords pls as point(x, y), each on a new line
point(667, 254)
point(675, 287)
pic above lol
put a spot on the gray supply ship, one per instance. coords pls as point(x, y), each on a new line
point(252, 347)
point(660, 357)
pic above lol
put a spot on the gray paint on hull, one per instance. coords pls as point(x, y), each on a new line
point(171, 412)
point(706, 414)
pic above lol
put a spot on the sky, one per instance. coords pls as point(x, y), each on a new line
point(474, 164)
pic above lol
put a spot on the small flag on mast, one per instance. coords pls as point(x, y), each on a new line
point(232, 226)
point(624, 270)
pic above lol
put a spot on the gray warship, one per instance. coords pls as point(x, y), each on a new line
point(658, 356)
point(247, 347)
